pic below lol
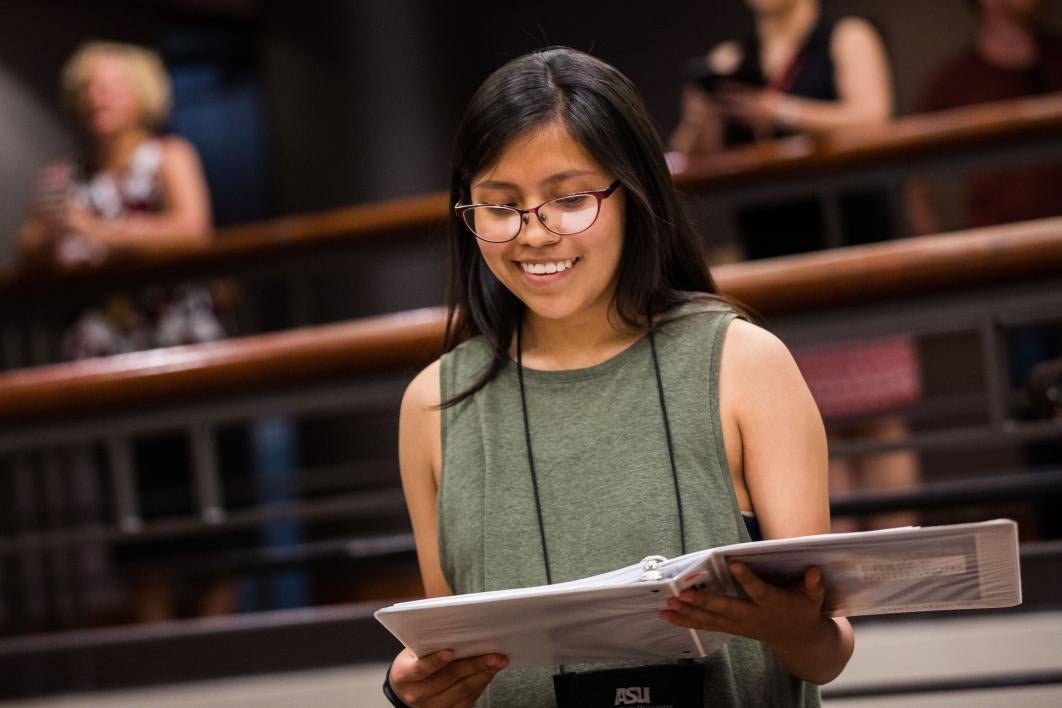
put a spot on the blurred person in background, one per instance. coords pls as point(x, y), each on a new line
point(799, 72)
point(1013, 55)
point(131, 190)
point(804, 72)
point(127, 190)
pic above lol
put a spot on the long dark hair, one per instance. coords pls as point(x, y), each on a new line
point(661, 261)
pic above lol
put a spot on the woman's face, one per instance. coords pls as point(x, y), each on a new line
point(542, 165)
point(108, 101)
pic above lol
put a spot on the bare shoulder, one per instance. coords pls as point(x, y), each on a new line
point(176, 145)
point(750, 347)
point(854, 32)
point(180, 159)
point(419, 426)
point(179, 155)
point(422, 393)
point(759, 365)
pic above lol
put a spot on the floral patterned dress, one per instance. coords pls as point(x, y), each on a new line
point(157, 316)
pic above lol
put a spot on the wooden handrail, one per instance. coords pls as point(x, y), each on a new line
point(952, 131)
point(984, 256)
point(408, 339)
point(297, 356)
point(960, 129)
point(250, 243)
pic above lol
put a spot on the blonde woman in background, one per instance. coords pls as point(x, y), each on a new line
point(128, 190)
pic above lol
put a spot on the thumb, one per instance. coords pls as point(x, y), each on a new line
point(814, 585)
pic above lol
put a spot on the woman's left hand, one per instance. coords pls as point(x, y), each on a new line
point(783, 618)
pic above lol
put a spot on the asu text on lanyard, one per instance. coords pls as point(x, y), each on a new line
point(660, 686)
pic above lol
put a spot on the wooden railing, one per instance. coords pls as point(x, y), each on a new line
point(963, 130)
point(973, 128)
point(981, 258)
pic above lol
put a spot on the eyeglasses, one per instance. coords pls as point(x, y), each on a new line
point(564, 216)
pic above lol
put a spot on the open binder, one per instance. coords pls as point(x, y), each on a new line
point(615, 616)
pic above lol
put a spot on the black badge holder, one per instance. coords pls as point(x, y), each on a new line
point(676, 685)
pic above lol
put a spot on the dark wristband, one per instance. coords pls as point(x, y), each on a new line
point(389, 693)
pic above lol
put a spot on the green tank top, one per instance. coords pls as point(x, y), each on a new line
point(605, 484)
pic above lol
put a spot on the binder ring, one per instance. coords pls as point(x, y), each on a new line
point(651, 567)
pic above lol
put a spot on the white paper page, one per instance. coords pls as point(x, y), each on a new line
point(550, 628)
point(963, 566)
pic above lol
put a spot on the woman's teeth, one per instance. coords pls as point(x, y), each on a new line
point(544, 268)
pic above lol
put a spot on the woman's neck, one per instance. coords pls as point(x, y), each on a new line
point(788, 26)
point(113, 152)
point(574, 343)
point(1007, 41)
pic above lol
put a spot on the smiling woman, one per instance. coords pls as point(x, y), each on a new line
point(598, 402)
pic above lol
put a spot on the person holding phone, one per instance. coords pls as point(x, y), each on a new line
point(803, 72)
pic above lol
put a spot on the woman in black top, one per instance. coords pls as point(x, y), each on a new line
point(799, 72)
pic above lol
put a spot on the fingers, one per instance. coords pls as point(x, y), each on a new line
point(714, 613)
point(438, 680)
point(757, 590)
point(423, 667)
point(465, 691)
point(683, 614)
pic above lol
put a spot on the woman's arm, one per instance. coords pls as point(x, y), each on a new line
point(36, 238)
point(700, 128)
point(785, 467)
point(184, 222)
point(43, 225)
point(783, 470)
point(864, 83)
point(435, 680)
point(783, 442)
point(419, 458)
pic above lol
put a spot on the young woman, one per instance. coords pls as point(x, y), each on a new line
point(598, 402)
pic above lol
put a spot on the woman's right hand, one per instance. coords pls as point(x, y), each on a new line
point(438, 681)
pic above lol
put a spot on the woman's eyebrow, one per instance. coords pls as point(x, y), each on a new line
point(568, 174)
point(559, 177)
point(494, 184)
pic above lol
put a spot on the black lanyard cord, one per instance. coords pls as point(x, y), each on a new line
point(531, 457)
point(667, 434)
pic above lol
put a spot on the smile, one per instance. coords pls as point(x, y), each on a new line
point(545, 268)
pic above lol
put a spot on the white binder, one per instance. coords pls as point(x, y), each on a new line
point(615, 616)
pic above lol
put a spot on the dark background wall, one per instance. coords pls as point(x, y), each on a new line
point(303, 106)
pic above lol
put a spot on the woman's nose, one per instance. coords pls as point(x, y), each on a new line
point(533, 233)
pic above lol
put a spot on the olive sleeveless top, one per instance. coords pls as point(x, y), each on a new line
point(605, 484)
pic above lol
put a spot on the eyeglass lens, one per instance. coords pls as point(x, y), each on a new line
point(563, 216)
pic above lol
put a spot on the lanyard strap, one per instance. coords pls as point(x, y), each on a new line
point(531, 457)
